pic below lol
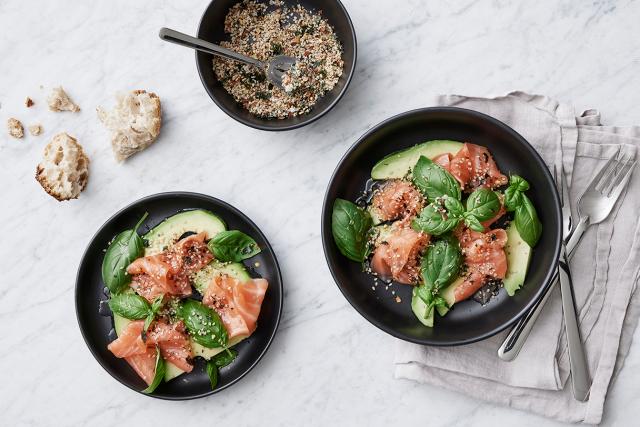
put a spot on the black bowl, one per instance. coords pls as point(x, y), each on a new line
point(211, 28)
point(468, 321)
point(97, 328)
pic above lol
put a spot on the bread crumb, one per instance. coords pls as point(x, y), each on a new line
point(58, 100)
point(64, 170)
point(16, 129)
point(35, 130)
point(134, 122)
point(28, 102)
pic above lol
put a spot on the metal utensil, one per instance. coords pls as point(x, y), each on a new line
point(613, 177)
point(274, 68)
point(580, 382)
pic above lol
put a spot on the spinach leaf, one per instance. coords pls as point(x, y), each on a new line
point(527, 222)
point(350, 227)
point(204, 324)
point(233, 245)
point(159, 375)
point(225, 358)
point(483, 204)
point(212, 372)
point(436, 219)
point(126, 247)
point(441, 264)
point(434, 181)
point(130, 306)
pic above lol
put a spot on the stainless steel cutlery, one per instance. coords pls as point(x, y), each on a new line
point(594, 206)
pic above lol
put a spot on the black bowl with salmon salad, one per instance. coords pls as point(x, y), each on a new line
point(318, 33)
point(442, 226)
point(178, 295)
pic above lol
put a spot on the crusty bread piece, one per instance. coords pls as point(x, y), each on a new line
point(58, 100)
point(64, 170)
point(134, 122)
point(15, 128)
point(35, 130)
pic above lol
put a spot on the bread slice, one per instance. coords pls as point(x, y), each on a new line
point(15, 128)
point(134, 122)
point(58, 100)
point(64, 170)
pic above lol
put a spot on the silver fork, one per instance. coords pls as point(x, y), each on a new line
point(577, 359)
point(594, 206)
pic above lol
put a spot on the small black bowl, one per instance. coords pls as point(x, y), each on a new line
point(468, 321)
point(97, 328)
point(211, 29)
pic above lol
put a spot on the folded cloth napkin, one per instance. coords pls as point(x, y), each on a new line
point(608, 305)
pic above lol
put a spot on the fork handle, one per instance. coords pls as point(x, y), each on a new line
point(577, 358)
point(518, 335)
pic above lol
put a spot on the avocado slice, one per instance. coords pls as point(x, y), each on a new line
point(203, 277)
point(419, 308)
point(171, 229)
point(400, 163)
point(518, 257)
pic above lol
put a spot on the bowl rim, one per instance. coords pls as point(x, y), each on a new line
point(326, 227)
point(211, 199)
point(304, 122)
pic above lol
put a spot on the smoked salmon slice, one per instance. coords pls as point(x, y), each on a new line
point(473, 167)
point(168, 272)
point(130, 346)
point(140, 353)
point(397, 256)
point(396, 199)
point(173, 341)
point(484, 257)
point(237, 303)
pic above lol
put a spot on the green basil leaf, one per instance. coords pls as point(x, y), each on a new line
point(440, 302)
point(453, 206)
point(473, 223)
point(434, 181)
point(157, 303)
point(148, 320)
point(225, 358)
point(483, 204)
point(130, 306)
point(512, 198)
point(204, 324)
point(233, 246)
point(159, 375)
point(125, 248)
point(434, 220)
point(527, 222)
point(519, 183)
point(441, 264)
point(212, 372)
point(350, 227)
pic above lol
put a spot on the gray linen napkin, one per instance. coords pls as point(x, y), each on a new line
point(605, 289)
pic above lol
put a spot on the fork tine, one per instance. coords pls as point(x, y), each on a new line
point(557, 181)
point(621, 180)
point(602, 178)
point(619, 172)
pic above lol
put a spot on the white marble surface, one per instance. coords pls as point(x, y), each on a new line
point(327, 364)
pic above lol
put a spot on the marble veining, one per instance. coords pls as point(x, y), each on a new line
point(327, 366)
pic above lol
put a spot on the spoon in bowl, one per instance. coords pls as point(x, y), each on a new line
point(274, 68)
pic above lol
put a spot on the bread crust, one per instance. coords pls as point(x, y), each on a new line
point(64, 171)
point(134, 122)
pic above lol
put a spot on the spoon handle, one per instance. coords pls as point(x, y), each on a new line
point(182, 39)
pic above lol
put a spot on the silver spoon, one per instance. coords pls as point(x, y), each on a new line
point(274, 68)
